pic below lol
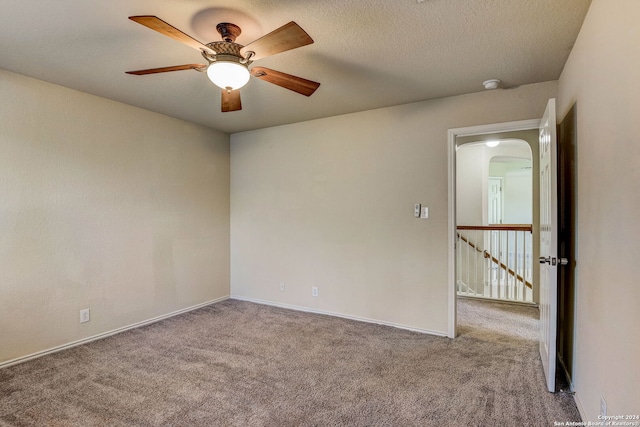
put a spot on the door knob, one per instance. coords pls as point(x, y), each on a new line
point(564, 261)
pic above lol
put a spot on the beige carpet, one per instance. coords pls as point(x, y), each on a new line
point(243, 364)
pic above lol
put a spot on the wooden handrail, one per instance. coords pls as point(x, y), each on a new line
point(507, 269)
point(498, 227)
point(473, 245)
point(486, 254)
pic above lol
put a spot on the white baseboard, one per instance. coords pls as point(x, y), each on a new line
point(106, 334)
point(344, 316)
point(580, 406)
point(501, 301)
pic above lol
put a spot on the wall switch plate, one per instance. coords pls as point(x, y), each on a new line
point(282, 286)
point(314, 291)
point(84, 316)
point(416, 210)
point(425, 213)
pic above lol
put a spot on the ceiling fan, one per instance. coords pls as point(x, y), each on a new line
point(228, 62)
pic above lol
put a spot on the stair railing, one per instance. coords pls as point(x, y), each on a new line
point(495, 261)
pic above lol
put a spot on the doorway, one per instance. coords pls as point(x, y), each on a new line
point(455, 137)
point(495, 216)
point(494, 199)
point(564, 355)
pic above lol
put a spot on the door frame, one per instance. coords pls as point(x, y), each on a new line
point(451, 214)
point(567, 245)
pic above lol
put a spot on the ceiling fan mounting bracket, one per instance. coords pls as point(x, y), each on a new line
point(228, 31)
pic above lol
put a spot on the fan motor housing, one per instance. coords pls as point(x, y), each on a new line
point(227, 51)
point(226, 48)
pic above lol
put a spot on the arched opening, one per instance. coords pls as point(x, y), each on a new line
point(495, 218)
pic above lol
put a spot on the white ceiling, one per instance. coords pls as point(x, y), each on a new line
point(366, 55)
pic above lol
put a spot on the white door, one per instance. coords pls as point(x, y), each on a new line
point(548, 243)
point(495, 200)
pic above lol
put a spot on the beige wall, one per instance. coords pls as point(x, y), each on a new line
point(103, 206)
point(329, 203)
point(603, 76)
point(472, 166)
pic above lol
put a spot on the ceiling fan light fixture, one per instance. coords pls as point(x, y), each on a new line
point(228, 62)
point(228, 74)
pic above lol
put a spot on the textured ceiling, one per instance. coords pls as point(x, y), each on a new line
point(367, 54)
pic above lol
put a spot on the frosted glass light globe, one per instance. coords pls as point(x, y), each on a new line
point(228, 75)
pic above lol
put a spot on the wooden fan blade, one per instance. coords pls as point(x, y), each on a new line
point(162, 27)
point(287, 81)
point(287, 37)
point(231, 100)
point(167, 69)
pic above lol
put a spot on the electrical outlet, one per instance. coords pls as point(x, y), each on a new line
point(603, 406)
point(282, 286)
point(84, 316)
point(314, 291)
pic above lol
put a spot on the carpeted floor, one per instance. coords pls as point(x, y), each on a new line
point(241, 364)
